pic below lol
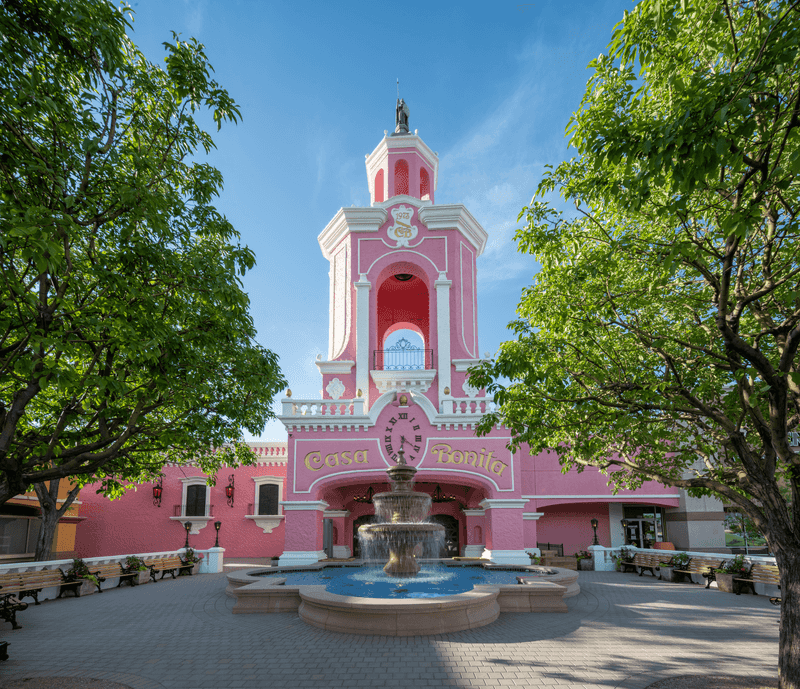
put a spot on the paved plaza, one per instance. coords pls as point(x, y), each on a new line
point(621, 631)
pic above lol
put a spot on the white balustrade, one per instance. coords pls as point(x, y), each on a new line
point(319, 408)
point(468, 406)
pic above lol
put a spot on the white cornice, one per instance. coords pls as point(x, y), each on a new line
point(463, 364)
point(304, 505)
point(532, 515)
point(503, 503)
point(266, 522)
point(455, 217)
point(349, 220)
point(403, 198)
point(406, 381)
point(326, 367)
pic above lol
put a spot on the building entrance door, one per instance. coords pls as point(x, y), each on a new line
point(451, 530)
point(640, 532)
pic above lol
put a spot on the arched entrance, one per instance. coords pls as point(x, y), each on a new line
point(451, 531)
point(364, 519)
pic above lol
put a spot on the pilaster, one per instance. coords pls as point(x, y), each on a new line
point(442, 286)
point(363, 287)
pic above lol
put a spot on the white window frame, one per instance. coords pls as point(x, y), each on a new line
point(267, 522)
point(198, 523)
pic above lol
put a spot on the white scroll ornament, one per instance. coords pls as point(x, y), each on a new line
point(402, 231)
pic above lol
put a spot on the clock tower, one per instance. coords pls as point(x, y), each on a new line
point(403, 263)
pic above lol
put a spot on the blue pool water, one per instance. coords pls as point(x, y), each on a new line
point(373, 582)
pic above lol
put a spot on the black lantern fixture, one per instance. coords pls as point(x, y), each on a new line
point(188, 527)
point(625, 530)
point(158, 489)
point(367, 498)
point(229, 490)
point(438, 496)
point(216, 526)
point(594, 526)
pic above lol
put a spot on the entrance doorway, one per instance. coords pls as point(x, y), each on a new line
point(451, 531)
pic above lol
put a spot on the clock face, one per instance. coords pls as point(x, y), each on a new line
point(403, 430)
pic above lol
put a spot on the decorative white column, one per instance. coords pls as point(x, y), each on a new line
point(213, 561)
point(363, 287)
point(442, 286)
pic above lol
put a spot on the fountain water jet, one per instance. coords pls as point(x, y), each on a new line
point(403, 529)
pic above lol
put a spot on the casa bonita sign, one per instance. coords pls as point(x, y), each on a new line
point(486, 458)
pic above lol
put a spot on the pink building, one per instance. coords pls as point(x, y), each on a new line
point(402, 264)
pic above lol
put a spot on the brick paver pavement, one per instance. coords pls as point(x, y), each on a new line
point(621, 631)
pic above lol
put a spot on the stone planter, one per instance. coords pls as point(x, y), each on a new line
point(724, 582)
point(667, 573)
point(144, 577)
point(87, 588)
point(586, 565)
point(196, 568)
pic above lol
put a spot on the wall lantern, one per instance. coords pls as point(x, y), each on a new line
point(229, 490)
point(594, 526)
point(188, 527)
point(158, 489)
point(624, 523)
point(216, 526)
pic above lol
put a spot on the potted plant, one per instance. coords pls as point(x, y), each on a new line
point(678, 561)
point(731, 569)
point(585, 560)
point(191, 557)
point(136, 564)
point(625, 557)
point(80, 570)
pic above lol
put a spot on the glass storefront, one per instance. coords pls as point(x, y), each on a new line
point(645, 525)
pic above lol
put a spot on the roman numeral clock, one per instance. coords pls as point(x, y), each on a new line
point(403, 430)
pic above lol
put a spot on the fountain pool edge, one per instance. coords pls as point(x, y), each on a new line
point(400, 617)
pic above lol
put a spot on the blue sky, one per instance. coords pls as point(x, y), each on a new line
point(490, 86)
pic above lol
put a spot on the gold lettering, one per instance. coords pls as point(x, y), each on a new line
point(346, 459)
point(460, 457)
point(442, 449)
point(313, 458)
point(363, 454)
point(332, 460)
point(498, 467)
point(489, 459)
point(473, 455)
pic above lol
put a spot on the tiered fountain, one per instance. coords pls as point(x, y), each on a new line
point(403, 529)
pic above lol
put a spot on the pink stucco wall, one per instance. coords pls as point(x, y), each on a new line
point(132, 524)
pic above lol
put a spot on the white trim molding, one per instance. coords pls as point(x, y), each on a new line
point(304, 505)
point(507, 557)
point(616, 498)
point(349, 220)
point(462, 365)
point(474, 513)
point(455, 217)
point(326, 367)
point(532, 515)
point(406, 381)
point(267, 522)
point(503, 504)
point(198, 523)
point(301, 557)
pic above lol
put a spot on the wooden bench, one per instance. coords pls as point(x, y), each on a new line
point(647, 561)
point(704, 566)
point(103, 572)
point(30, 584)
point(167, 565)
point(759, 574)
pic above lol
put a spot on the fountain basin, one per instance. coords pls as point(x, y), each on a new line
point(403, 617)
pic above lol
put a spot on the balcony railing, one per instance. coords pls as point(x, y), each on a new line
point(403, 356)
point(177, 512)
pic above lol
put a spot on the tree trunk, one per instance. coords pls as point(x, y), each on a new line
point(51, 513)
point(789, 639)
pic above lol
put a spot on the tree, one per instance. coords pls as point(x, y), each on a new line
point(125, 337)
point(659, 340)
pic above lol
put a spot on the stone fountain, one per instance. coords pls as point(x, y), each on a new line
point(403, 528)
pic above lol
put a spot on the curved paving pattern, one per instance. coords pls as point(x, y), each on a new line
point(620, 631)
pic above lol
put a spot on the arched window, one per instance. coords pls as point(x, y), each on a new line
point(400, 177)
point(424, 185)
point(379, 186)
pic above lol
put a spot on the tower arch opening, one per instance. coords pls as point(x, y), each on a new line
point(403, 307)
point(400, 177)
